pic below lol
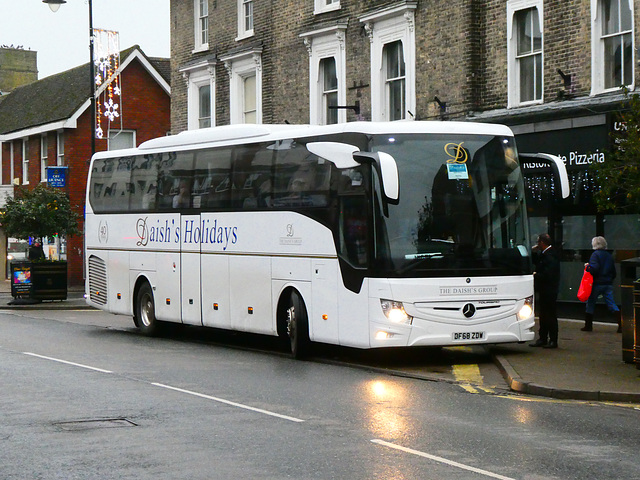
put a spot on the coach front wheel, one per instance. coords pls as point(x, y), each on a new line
point(145, 312)
point(297, 326)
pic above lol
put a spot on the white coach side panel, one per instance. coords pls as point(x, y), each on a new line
point(119, 300)
point(324, 321)
point(216, 305)
point(354, 317)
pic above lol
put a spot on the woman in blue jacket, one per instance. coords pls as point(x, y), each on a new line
point(603, 269)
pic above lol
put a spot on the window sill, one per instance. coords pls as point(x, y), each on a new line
point(526, 104)
point(609, 91)
point(201, 48)
point(328, 8)
point(244, 36)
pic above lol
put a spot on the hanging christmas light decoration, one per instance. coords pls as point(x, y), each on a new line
point(107, 79)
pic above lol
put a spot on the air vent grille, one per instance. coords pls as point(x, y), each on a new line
point(97, 280)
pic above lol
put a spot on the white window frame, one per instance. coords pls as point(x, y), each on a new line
point(239, 67)
point(323, 6)
point(383, 27)
point(391, 81)
point(243, 31)
point(202, 114)
point(115, 133)
point(597, 50)
point(44, 146)
point(60, 148)
point(196, 76)
point(323, 44)
point(326, 94)
point(198, 31)
point(246, 109)
point(12, 168)
point(25, 161)
point(513, 70)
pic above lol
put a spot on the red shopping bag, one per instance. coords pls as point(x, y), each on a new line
point(585, 286)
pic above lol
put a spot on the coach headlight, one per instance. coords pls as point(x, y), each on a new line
point(527, 309)
point(395, 312)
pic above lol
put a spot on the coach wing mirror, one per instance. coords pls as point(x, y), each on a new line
point(557, 167)
point(340, 154)
point(387, 170)
point(344, 155)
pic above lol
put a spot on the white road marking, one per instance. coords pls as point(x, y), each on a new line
point(189, 392)
point(68, 363)
point(228, 402)
point(440, 459)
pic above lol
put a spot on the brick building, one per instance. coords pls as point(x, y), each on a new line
point(17, 67)
point(46, 123)
point(550, 69)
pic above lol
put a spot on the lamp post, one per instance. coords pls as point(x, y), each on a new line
point(54, 5)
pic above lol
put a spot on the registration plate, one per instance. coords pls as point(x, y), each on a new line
point(467, 336)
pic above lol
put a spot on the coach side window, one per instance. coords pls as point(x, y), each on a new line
point(111, 184)
point(144, 183)
point(353, 231)
point(251, 163)
point(173, 174)
point(301, 179)
point(213, 177)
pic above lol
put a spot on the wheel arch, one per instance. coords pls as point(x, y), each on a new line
point(282, 305)
point(281, 309)
point(141, 280)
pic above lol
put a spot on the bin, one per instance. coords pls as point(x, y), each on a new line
point(49, 280)
point(630, 296)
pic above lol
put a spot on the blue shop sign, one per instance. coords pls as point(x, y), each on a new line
point(57, 176)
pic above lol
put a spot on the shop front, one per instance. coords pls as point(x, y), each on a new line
point(572, 222)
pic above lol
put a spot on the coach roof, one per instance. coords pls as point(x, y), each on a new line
point(236, 133)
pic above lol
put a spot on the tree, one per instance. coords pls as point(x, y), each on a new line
point(41, 212)
point(619, 176)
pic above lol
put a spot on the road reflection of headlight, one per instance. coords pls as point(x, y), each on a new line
point(379, 389)
point(386, 402)
point(522, 414)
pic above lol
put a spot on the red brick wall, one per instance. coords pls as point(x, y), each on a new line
point(145, 108)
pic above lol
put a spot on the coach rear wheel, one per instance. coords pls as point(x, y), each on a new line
point(145, 318)
point(297, 326)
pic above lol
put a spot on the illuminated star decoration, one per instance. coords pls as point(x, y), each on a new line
point(107, 79)
point(111, 110)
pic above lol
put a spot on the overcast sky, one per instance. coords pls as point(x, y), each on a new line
point(62, 38)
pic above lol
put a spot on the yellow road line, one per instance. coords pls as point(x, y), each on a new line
point(470, 378)
point(468, 374)
point(468, 388)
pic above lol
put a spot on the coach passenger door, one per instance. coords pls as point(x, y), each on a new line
point(190, 279)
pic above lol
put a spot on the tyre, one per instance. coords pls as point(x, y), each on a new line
point(297, 326)
point(145, 312)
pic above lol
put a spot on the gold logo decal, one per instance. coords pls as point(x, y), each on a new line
point(456, 152)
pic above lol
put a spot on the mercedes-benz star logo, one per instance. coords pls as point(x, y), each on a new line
point(469, 310)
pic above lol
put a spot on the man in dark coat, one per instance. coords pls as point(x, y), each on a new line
point(547, 284)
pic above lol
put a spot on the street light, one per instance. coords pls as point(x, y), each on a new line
point(54, 5)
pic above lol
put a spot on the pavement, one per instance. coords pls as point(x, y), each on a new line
point(586, 365)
